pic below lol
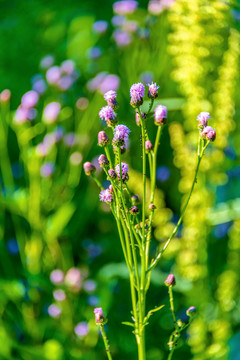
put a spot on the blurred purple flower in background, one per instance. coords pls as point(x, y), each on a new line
point(51, 112)
point(100, 26)
point(81, 329)
point(67, 67)
point(57, 276)
point(29, 99)
point(118, 20)
point(163, 173)
point(47, 169)
point(125, 7)
point(110, 82)
point(94, 52)
point(54, 311)
point(53, 75)
point(73, 279)
point(121, 37)
point(70, 139)
point(47, 61)
point(59, 295)
point(90, 285)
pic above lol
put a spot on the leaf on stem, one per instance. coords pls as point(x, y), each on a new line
point(152, 311)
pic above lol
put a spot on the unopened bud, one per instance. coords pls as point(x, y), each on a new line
point(103, 139)
point(134, 210)
point(170, 281)
point(148, 146)
point(89, 168)
point(103, 161)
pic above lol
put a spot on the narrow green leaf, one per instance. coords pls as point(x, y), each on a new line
point(128, 323)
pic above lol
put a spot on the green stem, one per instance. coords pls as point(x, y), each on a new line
point(170, 354)
point(105, 340)
point(172, 303)
point(97, 181)
point(155, 262)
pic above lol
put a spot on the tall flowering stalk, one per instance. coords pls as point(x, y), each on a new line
point(135, 229)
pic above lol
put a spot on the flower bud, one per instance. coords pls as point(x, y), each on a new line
point(99, 316)
point(208, 133)
point(5, 96)
point(191, 311)
point(152, 207)
point(112, 174)
point(89, 168)
point(103, 139)
point(137, 94)
point(153, 91)
point(170, 281)
point(103, 161)
point(110, 188)
point(110, 97)
point(134, 210)
point(160, 115)
point(202, 119)
point(135, 199)
point(148, 146)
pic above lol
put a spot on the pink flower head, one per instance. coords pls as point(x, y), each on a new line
point(137, 93)
point(21, 115)
point(121, 133)
point(203, 118)
point(153, 90)
point(100, 26)
point(99, 316)
point(103, 161)
point(208, 133)
point(170, 280)
point(105, 196)
point(29, 99)
point(89, 168)
point(160, 115)
point(125, 7)
point(107, 114)
point(103, 139)
point(125, 170)
point(148, 146)
point(5, 95)
point(51, 112)
point(110, 97)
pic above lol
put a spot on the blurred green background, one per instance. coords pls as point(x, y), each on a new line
point(51, 218)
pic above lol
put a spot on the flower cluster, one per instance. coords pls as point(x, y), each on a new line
point(207, 132)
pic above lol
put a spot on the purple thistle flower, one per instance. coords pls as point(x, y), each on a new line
point(125, 170)
point(103, 161)
point(137, 93)
point(112, 173)
point(106, 196)
point(100, 26)
point(153, 90)
point(110, 97)
point(202, 118)
point(89, 168)
point(103, 139)
point(51, 112)
point(99, 316)
point(47, 169)
point(134, 210)
point(29, 99)
point(107, 114)
point(208, 133)
point(160, 115)
point(170, 281)
point(125, 7)
point(121, 133)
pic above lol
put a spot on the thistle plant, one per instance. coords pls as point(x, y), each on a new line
point(133, 224)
